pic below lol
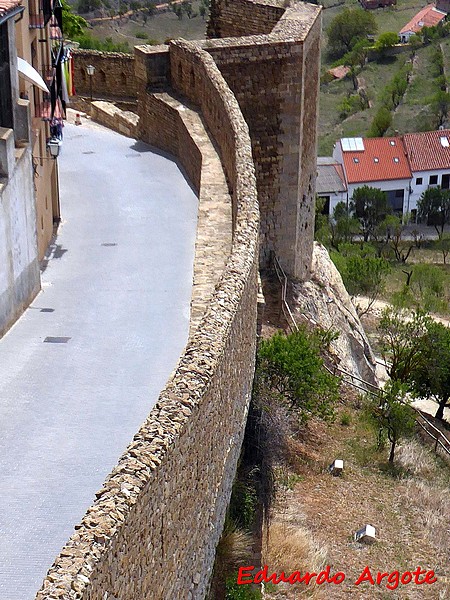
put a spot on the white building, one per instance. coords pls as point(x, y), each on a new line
point(429, 16)
point(376, 162)
point(404, 167)
point(429, 158)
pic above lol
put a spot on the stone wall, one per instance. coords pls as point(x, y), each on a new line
point(19, 266)
point(113, 78)
point(122, 121)
point(154, 527)
point(243, 17)
point(275, 79)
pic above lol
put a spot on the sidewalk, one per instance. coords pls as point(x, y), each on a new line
point(80, 371)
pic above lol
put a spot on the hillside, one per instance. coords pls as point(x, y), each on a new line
point(415, 112)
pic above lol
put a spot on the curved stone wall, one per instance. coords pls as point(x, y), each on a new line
point(154, 527)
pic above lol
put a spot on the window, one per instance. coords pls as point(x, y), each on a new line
point(392, 142)
point(419, 181)
point(356, 160)
point(433, 179)
point(376, 159)
point(396, 159)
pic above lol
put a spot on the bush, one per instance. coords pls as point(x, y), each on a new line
point(290, 370)
point(350, 105)
point(346, 419)
point(381, 123)
point(141, 35)
point(88, 42)
point(348, 28)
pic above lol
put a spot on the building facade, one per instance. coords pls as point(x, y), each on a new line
point(429, 16)
point(376, 162)
point(429, 157)
point(19, 265)
point(39, 43)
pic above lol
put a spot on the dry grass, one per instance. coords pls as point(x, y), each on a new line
point(433, 512)
point(314, 521)
point(415, 459)
point(292, 548)
point(233, 549)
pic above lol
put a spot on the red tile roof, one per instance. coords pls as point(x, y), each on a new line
point(339, 72)
point(382, 159)
point(427, 17)
point(426, 151)
point(7, 5)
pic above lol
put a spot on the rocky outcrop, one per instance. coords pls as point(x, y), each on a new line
point(324, 301)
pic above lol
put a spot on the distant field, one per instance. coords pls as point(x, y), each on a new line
point(158, 28)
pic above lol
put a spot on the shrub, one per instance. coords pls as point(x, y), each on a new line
point(290, 370)
point(350, 105)
point(346, 419)
point(381, 123)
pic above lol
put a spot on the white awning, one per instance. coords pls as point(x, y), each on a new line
point(30, 74)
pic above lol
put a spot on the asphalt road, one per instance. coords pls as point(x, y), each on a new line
point(116, 290)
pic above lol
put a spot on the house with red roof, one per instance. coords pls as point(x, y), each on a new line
point(376, 162)
point(429, 157)
point(404, 167)
point(429, 16)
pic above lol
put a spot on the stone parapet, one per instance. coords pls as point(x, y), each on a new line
point(122, 121)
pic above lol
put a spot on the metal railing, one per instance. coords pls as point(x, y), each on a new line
point(440, 440)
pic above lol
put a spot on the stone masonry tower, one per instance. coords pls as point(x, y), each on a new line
point(273, 69)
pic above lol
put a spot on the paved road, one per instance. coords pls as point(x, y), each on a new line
point(118, 286)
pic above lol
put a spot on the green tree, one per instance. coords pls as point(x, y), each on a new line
point(392, 228)
point(321, 225)
point(364, 274)
point(434, 206)
point(392, 415)
point(370, 206)
point(432, 378)
point(342, 225)
point(400, 335)
point(443, 244)
point(381, 122)
point(73, 25)
point(415, 42)
point(347, 28)
point(386, 40)
point(290, 369)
